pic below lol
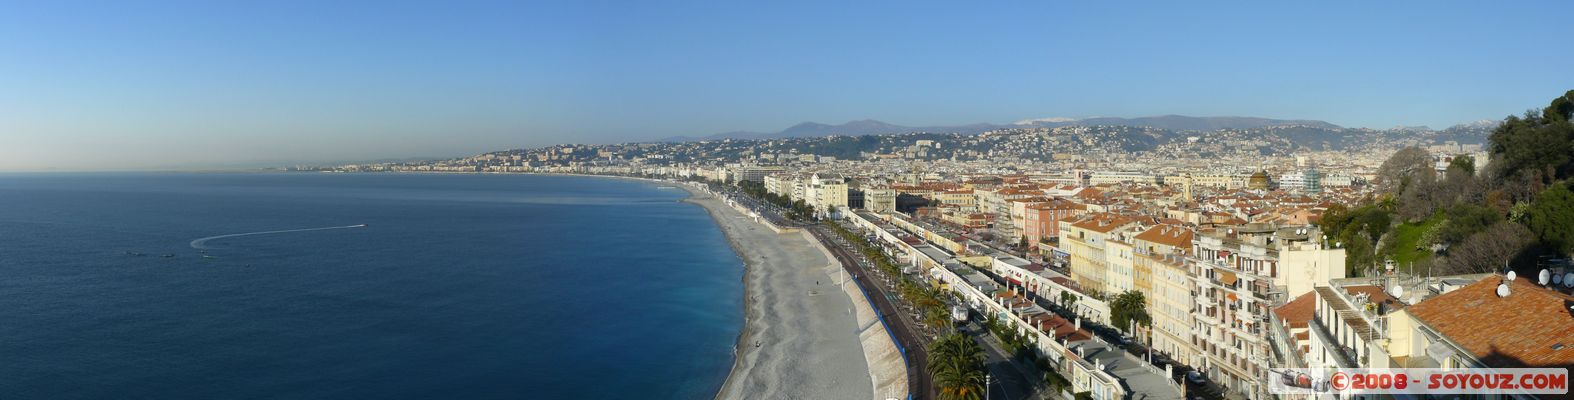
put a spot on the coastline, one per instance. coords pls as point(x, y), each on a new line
point(800, 337)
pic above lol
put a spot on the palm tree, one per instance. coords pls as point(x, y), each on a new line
point(956, 363)
point(937, 317)
point(1388, 203)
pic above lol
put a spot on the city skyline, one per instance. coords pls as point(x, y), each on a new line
point(190, 86)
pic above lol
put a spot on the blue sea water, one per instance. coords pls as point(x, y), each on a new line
point(459, 286)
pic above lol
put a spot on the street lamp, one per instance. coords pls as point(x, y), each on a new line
point(986, 386)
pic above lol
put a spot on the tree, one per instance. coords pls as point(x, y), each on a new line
point(1536, 142)
point(1465, 220)
point(937, 316)
point(1488, 250)
point(1055, 380)
point(1371, 222)
point(1067, 299)
point(1410, 165)
point(1359, 254)
point(1129, 308)
point(1419, 200)
point(956, 363)
point(1551, 217)
point(1466, 164)
point(1460, 184)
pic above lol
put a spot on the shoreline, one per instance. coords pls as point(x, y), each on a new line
point(803, 346)
point(790, 345)
point(740, 346)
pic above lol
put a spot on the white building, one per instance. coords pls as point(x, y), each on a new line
point(1243, 272)
point(880, 200)
point(1100, 178)
point(828, 193)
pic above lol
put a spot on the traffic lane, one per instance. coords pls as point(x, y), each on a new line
point(1005, 378)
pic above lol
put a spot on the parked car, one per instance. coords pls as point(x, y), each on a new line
point(1196, 378)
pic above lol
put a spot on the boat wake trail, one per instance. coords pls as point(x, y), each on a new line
point(202, 242)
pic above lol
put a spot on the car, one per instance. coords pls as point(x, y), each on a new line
point(1196, 378)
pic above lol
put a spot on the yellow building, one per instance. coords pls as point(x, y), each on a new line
point(1084, 240)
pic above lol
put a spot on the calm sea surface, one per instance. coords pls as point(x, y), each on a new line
point(459, 286)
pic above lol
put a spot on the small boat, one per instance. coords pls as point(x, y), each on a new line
point(208, 256)
point(168, 256)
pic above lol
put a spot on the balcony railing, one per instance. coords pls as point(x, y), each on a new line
point(1344, 356)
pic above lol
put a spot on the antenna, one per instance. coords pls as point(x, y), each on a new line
point(1544, 277)
point(1502, 290)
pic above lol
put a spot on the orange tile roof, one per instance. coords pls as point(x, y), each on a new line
point(1515, 331)
point(1168, 235)
point(1103, 222)
point(1298, 313)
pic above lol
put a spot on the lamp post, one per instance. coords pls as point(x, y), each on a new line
point(986, 386)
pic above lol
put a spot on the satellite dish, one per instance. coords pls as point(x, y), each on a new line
point(1397, 291)
point(1502, 290)
point(1557, 279)
point(1511, 275)
point(1568, 280)
point(1544, 277)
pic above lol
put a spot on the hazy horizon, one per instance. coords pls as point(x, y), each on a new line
point(174, 85)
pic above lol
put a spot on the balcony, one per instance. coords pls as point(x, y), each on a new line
point(1344, 357)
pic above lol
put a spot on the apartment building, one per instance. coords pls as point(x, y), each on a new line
point(780, 184)
point(1084, 239)
point(963, 200)
point(826, 193)
point(1160, 272)
point(881, 200)
point(1041, 221)
point(754, 173)
point(1104, 178)
point(1241, 273)
point(996, 203)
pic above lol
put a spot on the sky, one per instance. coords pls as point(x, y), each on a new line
point(222, 84)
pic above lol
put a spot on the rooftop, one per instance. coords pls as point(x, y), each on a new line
point(1298, 313)
point(1531, 327)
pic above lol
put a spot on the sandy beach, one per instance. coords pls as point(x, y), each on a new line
point(801, 338)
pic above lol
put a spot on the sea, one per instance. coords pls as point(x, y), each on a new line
point(361, 286)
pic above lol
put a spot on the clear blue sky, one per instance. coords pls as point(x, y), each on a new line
point(134, 85)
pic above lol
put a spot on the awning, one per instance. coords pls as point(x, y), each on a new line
point(1227, 277)
point(1231, 296)
point(1439, 351)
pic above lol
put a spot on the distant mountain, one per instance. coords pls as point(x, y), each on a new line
point(873, 127)
point(1484, 124)
point(1185, 123)
point(851, 128)
point(1469, 132)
